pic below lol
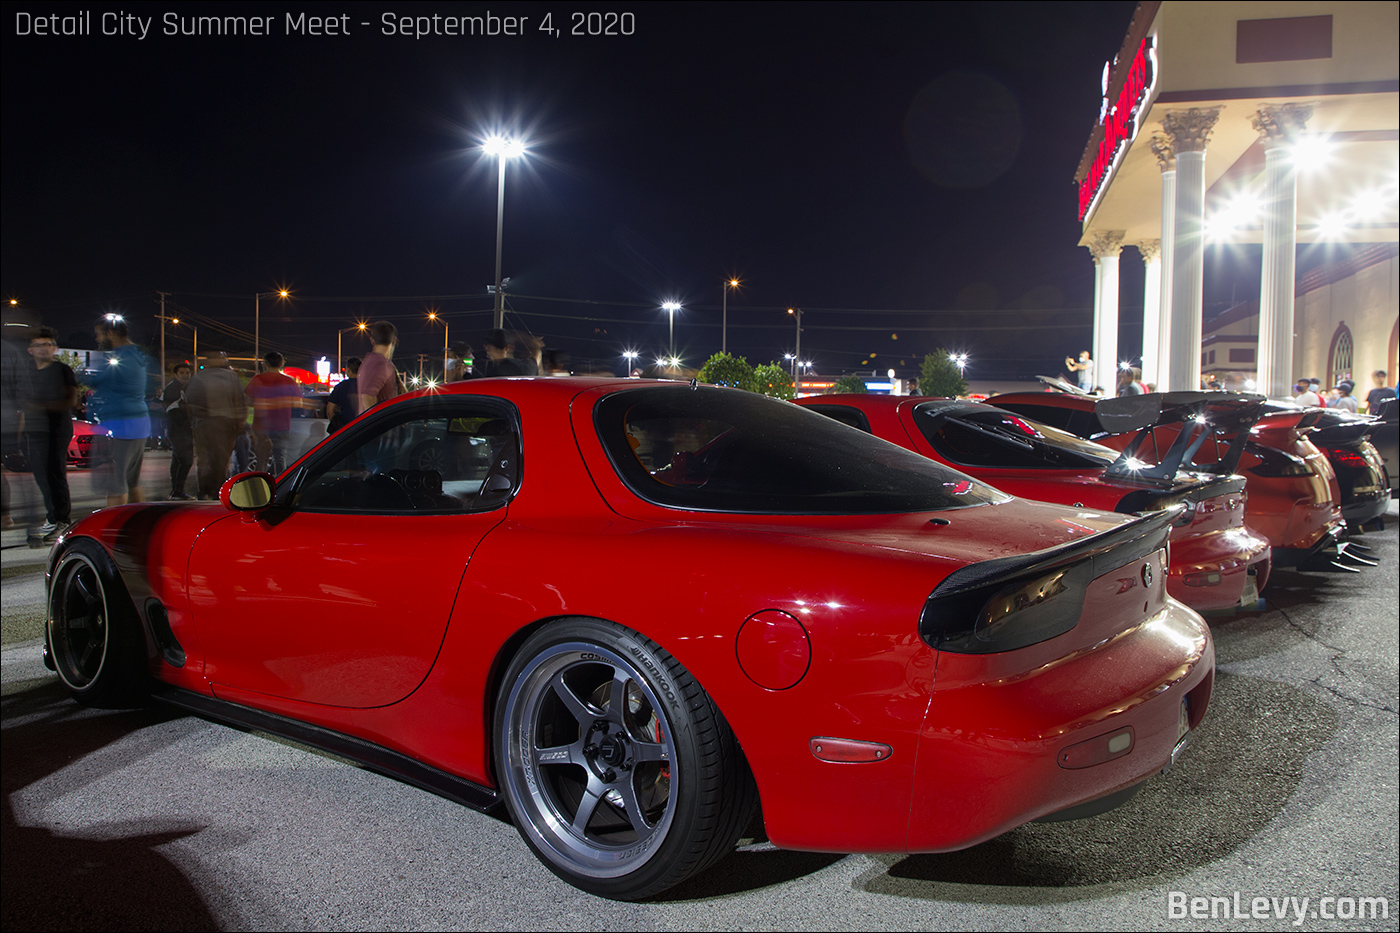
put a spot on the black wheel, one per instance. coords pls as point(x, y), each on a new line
point(93, 633)
point(618, 770)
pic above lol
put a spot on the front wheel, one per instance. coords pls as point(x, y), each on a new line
point(94, 637)
point(618, 769)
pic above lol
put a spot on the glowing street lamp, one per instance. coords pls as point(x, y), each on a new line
point(631, 357)
point(797, 316)
point(433, 316)
point(502, 148)
point(672, 308)
point(257, 323)
point(960, 361)
point(176, 321)
point(339, 367)
point(724, 321)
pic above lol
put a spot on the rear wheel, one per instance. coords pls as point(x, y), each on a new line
point(93, 633)
point(618, 770)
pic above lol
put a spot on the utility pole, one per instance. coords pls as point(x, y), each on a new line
point(162, 336)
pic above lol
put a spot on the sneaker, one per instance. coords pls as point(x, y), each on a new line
point(180, 495)
point(46, 529)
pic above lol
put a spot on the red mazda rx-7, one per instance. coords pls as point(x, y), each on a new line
point(633, 612)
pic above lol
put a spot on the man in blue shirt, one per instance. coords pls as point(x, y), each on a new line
point(120, 389)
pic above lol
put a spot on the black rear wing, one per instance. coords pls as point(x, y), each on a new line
point(1060, 385)
point(1202, 416)
point(1337, 428)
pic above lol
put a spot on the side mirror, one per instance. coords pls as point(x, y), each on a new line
point(247, 492)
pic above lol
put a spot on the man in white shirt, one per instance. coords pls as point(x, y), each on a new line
point(1306, 396)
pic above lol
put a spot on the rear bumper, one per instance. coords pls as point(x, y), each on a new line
point(1212, 571)
point(1000, 753)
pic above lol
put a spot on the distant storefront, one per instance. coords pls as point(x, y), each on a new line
point(1269, 124)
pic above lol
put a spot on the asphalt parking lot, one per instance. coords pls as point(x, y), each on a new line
point(153, 819)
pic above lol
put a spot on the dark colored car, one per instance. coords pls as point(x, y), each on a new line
point(1362, 483)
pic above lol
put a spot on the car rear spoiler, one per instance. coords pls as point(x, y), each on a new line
point(1337, 428)
point(954, 617)
point(1060, 385)
point(1201, 415)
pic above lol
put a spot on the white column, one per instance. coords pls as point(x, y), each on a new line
point(1278, 128)
point(1150, 251)
point(1166, 161)
point(1188, 131)
point(1105, 248)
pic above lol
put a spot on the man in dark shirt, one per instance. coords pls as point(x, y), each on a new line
point(48, 426)
point(499, 358)
point(177, 416)
point(1380, 393)
point(343, 404)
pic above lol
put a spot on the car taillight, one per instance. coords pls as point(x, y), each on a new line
point(1020, 613)
point(1344, 456)
point(1277, 463)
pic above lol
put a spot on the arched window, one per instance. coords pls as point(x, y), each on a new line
point(1339, 360)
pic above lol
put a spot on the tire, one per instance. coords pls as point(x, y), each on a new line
point(620, 800)
point(93, 633)
point(428, 456)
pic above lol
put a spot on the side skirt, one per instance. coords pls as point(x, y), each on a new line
point(374, 757)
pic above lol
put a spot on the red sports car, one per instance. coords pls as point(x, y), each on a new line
point(645, 610)
point(1293, 492)
point(1216, 562)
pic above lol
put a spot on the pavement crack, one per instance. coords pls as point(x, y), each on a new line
point(1338, 653)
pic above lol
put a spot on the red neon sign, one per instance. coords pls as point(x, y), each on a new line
point(1120, 124)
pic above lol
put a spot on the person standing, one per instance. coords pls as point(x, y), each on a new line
point(1379, 394)
point(1085, 368)
point(217, 412)
point(119, 386)
point(378, 380)
point(177, 417)
point(48, 426)
point(273, 394)
point(1345, 400)
point(1306, 396)
point(343, 404)
point(499, 358)
point(12, 389)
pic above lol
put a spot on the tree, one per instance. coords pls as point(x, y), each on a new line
point(849, 385)
point(940, 376)
point(772, 380)
point(725, 370)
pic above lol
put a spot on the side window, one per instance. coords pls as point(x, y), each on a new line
point(440, 458)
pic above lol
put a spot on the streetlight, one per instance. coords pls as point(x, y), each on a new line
point(724, 321)
point(433, 316)
point(672, 307)
point(257, 323)
point(502, 148)
point(360, 326)
point(960, 361)
point(797, 315)
point(631, 357)
point(176, 320)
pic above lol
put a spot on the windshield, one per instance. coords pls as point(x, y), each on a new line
point(725, 450)
point(989, 437)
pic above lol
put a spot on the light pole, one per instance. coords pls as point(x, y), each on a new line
point(797, 315)
point(339, 367)
point(194, 352)
point(257, 324)
point(960, 361)
point(162, 334)
point(433, 316)
point(724, 321)
point(672, 308)
point(502, 148)
point(631, 357)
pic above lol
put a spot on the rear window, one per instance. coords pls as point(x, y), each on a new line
point(990, 437)
point(725, 450)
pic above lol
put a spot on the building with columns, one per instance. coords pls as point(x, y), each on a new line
point(1235, 124)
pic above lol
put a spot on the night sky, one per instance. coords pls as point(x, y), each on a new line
point(890, 169)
